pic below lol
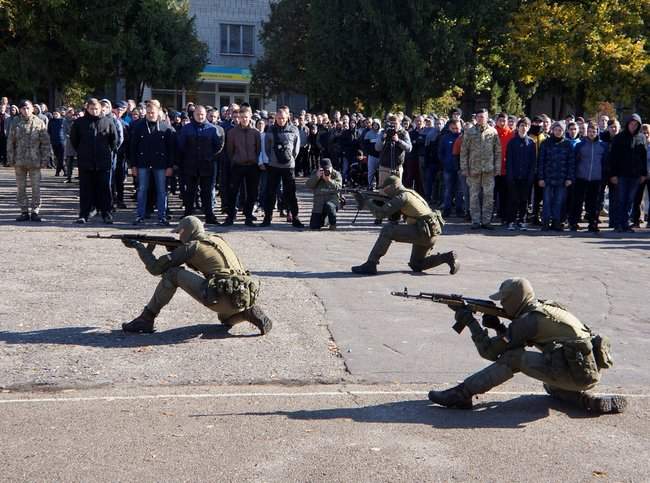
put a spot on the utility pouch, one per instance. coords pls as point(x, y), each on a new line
point(242, 290)
point(581, 361)
point(602, 351)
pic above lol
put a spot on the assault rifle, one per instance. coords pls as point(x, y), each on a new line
point(361, 196)
point(456, 302)
point(167, 241)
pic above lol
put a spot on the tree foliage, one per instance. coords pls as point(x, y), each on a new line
point(60, 45)
point(381, 53)
point(512, 103)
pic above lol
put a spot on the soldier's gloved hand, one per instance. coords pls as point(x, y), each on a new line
point(128, 243)
point(491, 322)
point(464, 315)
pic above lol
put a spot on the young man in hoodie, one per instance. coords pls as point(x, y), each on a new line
point(591, 155)
point(521, 163)
point(537, 134)
point(556, 172)
point(628, 169)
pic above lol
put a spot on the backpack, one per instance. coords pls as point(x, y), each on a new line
point(283, 152)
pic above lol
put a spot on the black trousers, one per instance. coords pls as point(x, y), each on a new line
point(249, 176)
point(518, 193)
point(286, 175)
point(119, 178)
point(57, 149)
point(94, 191)
point(3, 148)
point(192, 185)
point(538, 197)
point(585, 193)
point(317, 220)
point(501, 196)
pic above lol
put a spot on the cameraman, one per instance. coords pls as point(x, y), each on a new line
point(325, 183)
point(392, 145)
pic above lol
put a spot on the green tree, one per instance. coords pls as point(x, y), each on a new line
point(512, 103)
point(495, 98)
point(588, 51)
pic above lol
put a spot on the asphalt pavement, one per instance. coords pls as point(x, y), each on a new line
point(336, 392)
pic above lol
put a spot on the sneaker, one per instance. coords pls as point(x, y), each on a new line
point(523, 226)
point(138, 221)
point(23, 217)
point(36, 217)
point(574, 227)
point(512, 227)
point(81, 220)
point(487, 226)
point(332, 227)
point(228, 222)
point(249, 222)
point(296, 223)
point(163, 222)
point(108, 219)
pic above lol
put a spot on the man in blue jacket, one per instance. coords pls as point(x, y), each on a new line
point(591, 156)
point(152, 155)
point(450, 170)
point(556, 172)
point(198, 144)
point(521, 162)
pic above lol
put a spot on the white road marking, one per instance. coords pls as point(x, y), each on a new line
point(323, 394)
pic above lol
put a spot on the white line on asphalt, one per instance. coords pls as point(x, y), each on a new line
point(136, 397)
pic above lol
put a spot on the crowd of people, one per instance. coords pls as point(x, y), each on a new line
point(515, 170)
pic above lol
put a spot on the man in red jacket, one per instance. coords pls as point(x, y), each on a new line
point(500, 180)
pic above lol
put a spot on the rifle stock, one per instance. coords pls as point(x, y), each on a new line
point(454, 302)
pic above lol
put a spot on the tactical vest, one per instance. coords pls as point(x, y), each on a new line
point(417, 212)
point(225, 273)
point(563, 331)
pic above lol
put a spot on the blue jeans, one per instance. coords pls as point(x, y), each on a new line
point(624, 198)
point(453, 191)
point(161, 191)
point(430, 171)
point(554, 198)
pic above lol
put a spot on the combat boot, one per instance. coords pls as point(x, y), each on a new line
point(143, 323)
point(368, 268)
point(255, 316)
point(457, 397)
point(604, 404)
point(590, 402)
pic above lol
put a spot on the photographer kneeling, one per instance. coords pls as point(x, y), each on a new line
point(325, 182)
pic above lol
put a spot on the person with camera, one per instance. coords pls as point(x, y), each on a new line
point(392, 145)
point(282, 145)
point(325, 183)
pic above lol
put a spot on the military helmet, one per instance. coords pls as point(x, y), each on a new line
point(191, 227)
point(392, 181)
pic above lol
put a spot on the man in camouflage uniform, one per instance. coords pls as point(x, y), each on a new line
point(225, 287)
point(421, 229)
point(568, 360)
point(480, 155)
point(28, 150)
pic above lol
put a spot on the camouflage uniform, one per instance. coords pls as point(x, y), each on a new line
point(421, 229)
point(225, 287)
point(28, 150)
point(480, 156)
point(568, 358)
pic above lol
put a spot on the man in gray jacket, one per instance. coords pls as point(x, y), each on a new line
point(282, 145)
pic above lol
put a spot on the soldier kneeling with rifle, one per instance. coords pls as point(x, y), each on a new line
point(568, 362)
point(421, 229)
point(225, 287)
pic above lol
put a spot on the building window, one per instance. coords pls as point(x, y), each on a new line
point(236, 39)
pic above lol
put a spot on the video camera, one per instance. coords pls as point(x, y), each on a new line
point(390, 130)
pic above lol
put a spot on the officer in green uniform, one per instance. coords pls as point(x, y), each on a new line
point(225, 287)
point(568, 360)
point(421, 229)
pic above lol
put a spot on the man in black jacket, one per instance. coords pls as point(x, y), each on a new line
point(152, 155)
point(94, 138)
point(628, 169)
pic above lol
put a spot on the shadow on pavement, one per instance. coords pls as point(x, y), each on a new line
point(92, 337)
point(341, 274)
point(513, 413)
point(623, 244)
